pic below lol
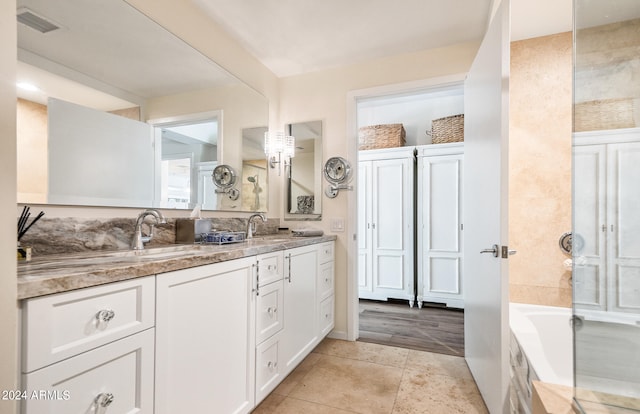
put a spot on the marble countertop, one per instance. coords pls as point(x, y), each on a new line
point(61, 273)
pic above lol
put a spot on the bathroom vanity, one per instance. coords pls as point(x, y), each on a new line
point(191, 328)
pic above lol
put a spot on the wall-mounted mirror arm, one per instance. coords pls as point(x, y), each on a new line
point(332, 190)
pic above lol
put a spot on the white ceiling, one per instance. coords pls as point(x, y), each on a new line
point(289, 36)
point(297, 36)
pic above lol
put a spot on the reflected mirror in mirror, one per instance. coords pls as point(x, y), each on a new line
point(110, 58)
point(304, 178)
point(254, 170)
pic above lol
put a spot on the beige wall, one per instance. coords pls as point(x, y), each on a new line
point(8, 212)
point(32, 158)
point(323, 96)
point(540, 168)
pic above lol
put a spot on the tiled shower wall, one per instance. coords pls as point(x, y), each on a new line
point(540, 143)
point(540, 169)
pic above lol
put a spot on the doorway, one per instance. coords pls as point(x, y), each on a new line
point(391, 320)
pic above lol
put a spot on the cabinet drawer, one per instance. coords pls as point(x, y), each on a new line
point(269, 306)
point(270, 267)
point(325, 251)
point(59, 326)
point(326, 322)
point(325, 280)
point(78, 385)
point(268, 371)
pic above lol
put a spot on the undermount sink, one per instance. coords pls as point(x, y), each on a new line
point(179, 248)
point(267, 239)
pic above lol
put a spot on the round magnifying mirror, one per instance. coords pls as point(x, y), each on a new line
point(337, 170)
point(223, 176)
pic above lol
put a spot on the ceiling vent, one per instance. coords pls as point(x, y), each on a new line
point(35, 21)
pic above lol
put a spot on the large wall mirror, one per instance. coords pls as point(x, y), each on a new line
point(304, 178)
point(126, 114)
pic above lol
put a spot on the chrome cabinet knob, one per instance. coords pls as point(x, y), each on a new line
point(105, 315)
point(103, 399)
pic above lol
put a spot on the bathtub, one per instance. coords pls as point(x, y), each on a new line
point(545, 337)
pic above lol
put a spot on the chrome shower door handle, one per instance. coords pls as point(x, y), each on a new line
point(494, 250)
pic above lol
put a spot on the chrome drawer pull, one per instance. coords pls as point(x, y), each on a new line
point(103, 399)
point(272, 365)
point(105, 315)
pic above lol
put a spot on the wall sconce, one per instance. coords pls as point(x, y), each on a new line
point(279, 148)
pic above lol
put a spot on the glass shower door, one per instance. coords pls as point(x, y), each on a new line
point(606, 204)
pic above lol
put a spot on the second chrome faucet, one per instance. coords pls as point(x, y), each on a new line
point(251, 225)
point(138, 238)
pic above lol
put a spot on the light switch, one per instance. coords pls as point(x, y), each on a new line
point(337, 224)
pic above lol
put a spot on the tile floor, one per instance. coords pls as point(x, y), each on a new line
point(342, 377)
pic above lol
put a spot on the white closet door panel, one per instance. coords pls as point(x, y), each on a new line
point(589, 251)
point(625, 173)
point(390, 271)
point(443, 175)
point(440, 232)
point(623, 227)
point(627, 291)
point(588, 290)
point(448, 270)
point(590, 184)
point(385, 225)
point(389, 207)
point(364, 228)
point(364, 205)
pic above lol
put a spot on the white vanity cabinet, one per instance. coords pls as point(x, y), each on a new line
point(385, 224)
point(90, 349)
point(291, 329)
point(300, 305)
point(269, 322)
point(440, 227)
point(326, 291)
point(205, 339)
point(213, 338)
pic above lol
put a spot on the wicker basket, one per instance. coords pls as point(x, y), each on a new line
point(381, 136)
point(447, 129)
point(603, 114)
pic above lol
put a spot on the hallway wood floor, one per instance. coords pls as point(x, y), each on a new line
point(431, 329)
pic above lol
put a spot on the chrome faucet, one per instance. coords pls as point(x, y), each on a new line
point(138, 238)
point(251, 226)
